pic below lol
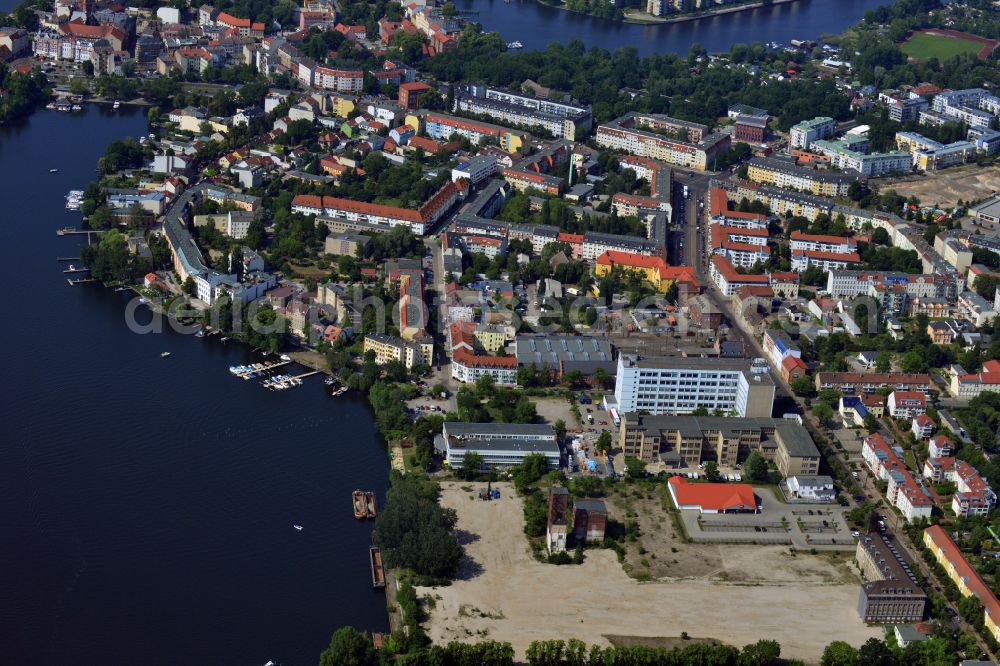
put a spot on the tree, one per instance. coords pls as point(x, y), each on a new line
point(755, 468)
point(762, 653)
point(876, 653)
point(189, 286)
point(871, 423)
point(560, 428)
point(634, 468)
point(472, 462)
point(712, 470)
point(349, 647)
point(603, 442)
point(883, 362)
point(839, 653)
point(823, 412)
point(804, 387)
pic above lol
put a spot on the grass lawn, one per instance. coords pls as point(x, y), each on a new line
point(923, 46)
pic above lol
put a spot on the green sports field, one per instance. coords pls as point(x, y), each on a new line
point(923, 46)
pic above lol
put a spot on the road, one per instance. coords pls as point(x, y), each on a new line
point(695, 233)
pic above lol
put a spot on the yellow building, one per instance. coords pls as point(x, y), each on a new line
point(965, 577)
point(491, 338)
point(343, 106)
point(654, 270)
point(785, 174)
point(389, 348)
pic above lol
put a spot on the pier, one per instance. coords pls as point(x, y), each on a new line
point(67, 258)
point(73, 283)
point(71, 231)
point(76, 270)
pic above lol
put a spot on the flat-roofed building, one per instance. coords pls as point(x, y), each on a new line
point(691, 439)
point(679, 385)
point(499, 445)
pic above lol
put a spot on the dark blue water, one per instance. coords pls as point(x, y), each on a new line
point(147, 504)
point(535, 25)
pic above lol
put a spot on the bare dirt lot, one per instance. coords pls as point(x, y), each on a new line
point(945, 188)
point(505, 594)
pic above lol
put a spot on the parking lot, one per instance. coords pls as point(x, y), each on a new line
point(820, 526)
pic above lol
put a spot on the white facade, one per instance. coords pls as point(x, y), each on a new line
point(675, 385)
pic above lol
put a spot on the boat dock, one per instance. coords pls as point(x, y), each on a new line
point(73, 283)
point(67, 258)
point(378, 574)
point(73, 269)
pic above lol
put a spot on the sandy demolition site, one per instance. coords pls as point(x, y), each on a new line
point(504, 594)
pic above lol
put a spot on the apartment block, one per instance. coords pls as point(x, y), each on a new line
point(964, 575)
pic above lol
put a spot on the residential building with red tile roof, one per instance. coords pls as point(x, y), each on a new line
point(719, 212)
point(904, 491)
point(965, 577)
point(728, 279)
point(906, 404)
point(971, 385)
point(973, 495)
point(655, 270)
point(825, 261)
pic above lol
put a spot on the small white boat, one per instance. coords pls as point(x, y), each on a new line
point(77, 107)
point(515, 45)
point(298, 527)
point(53, 170)
point(164, 354)
point(116, 104)
point(286, 357)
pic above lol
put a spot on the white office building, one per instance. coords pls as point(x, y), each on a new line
point(679, 385)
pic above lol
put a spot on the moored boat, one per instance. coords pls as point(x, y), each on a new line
point(358, 500)
point(371, 506)
point(378, 575)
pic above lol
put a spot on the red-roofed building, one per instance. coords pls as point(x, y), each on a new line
point(741, 246)
point(971, 385)
point(906, 404)
point(969, 583)
point(904, 491)
point(244, 25)
point(923, 426)
point(411, 93)
point(720, 213)
point(654, 269)
point(418, 220)
point(727, 279)
point(785, 285)
point(575, 242)
point(793, 367)
point(825, 261)
point(713, 497)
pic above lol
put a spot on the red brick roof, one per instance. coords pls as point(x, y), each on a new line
point(713, 496)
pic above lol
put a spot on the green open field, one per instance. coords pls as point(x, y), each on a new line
point(923, 46)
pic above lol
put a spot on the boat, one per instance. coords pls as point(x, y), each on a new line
point(360, 510)
point(77, 107)
point(329, 381)
point(286, 357)
point(298, 527)
point(515, 45)
point(53, 170)
point(371, 506)
point(341, 391)
point(116, 104)
point(164, 354)
point(378, 575)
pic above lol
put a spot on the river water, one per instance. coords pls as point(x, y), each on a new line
point(535, 25)
point(147, 503)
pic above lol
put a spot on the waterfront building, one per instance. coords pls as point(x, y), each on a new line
point(390, 348)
